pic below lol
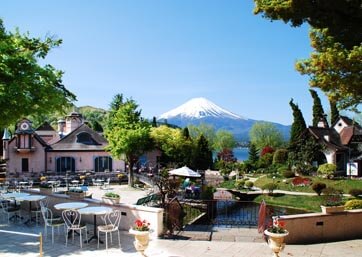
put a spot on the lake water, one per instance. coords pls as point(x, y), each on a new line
point(241, 153)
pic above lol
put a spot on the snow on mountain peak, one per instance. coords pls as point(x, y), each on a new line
point(198, 108)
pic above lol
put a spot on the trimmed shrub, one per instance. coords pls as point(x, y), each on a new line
point(270, 187)
point(239, 184)
point(318, 187)
point(327, 170)
point(288, 174)
point(280, 156)
point(249, 184)
point(353, 204)
point(355, 192)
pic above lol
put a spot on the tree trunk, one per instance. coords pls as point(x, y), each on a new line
point(130, 174)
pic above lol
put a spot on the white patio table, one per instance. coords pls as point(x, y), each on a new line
point(16, 196)
point(30, 199)
point(95, 210)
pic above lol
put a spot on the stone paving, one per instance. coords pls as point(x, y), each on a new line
point(234, 242)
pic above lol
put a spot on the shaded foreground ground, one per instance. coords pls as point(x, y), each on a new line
point(226, 242)
point(16, 246)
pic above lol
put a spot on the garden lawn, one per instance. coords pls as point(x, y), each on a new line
point(306, 203)
point(343, 184)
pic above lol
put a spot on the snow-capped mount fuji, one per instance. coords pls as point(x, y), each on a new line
point(200, 110)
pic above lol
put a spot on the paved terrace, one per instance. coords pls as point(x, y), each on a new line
point(13, 245)
point(234, 242)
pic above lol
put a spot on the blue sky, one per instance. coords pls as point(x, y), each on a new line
point(162, 53)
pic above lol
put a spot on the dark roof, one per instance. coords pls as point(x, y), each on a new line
point(82, 138)
point(45, 127)
point(352, 133)
point(36, 136)
point(321, 134)
point(348, 121)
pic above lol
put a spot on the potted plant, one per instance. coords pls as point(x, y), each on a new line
point(111, 198)
point(76, 193)
point(275, 234)
point(141, 231)
point(332, 200)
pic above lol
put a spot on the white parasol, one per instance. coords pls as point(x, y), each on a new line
point(184, 172)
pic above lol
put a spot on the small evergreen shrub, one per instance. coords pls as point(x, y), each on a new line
point(318, 187)
point(288, 174)
point(355, 192)
point(280, 156)
point(239, 184)
point(249, 184)
point(353, 204)
point(326, 170)
point(270, 187)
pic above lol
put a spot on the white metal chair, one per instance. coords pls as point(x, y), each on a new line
point(111, 224)
point(9, 210)
point(106, 183)
point(36, 208)
point(50, 220)
point(72, 219)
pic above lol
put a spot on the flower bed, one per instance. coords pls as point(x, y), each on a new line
point(300, 181)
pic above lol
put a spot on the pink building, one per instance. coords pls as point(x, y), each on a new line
point(74, 147)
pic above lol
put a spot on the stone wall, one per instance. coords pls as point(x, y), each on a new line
point(129, 212)
point(319, 227)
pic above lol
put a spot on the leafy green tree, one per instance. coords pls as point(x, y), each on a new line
point(94, 116)
point(265, 134)
point(26, 87)
point(335, 65)
point(318, 112)
point(334, 112)
point(204, 129)
point(298, 125)
point(128, 134)
point(343, 18)
point(253, 154)
point(335, 69)
point(176, 149)
point(224, 139)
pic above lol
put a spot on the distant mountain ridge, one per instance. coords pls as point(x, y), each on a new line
point(201, 110)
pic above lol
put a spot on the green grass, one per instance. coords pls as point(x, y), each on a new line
point(342, 184)
point(306, 203)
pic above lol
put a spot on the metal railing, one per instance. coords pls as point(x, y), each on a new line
point(29, 235)
point(221, 212)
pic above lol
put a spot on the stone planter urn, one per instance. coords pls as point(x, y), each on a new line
point(142, 239)
point(76, 195)
point(276, 241)
point(332, 209)
point(111, 200)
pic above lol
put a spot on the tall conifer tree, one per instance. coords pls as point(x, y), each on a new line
point(253, 154)
point(334, 112)
point(298, 125)
point(318, 112)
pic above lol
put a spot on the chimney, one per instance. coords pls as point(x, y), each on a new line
point(322, 123)
point(61, 126)
point(6, 138)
